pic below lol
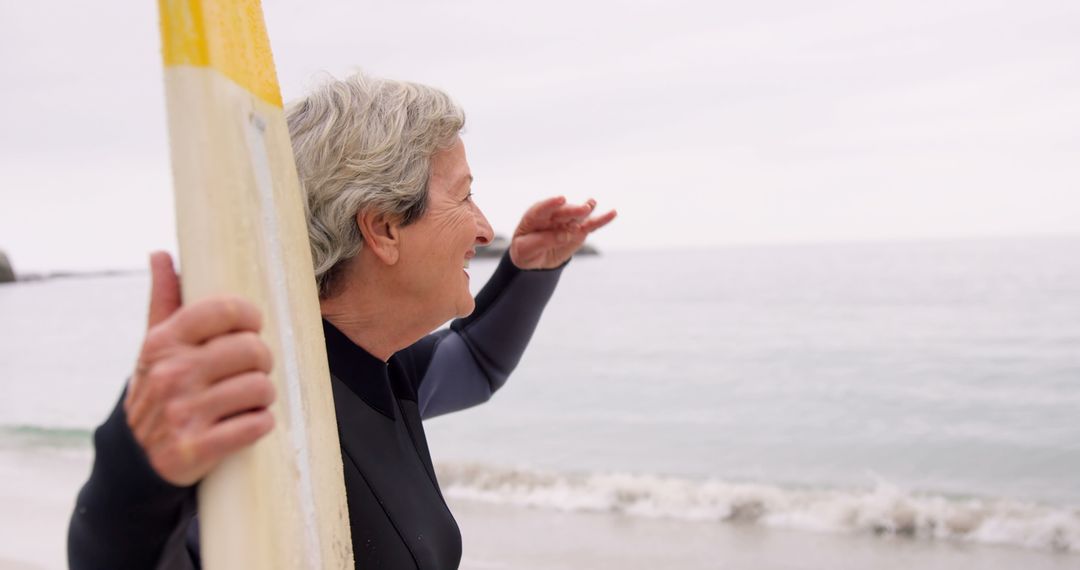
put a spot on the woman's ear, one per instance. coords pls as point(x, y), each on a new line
point(382, 235)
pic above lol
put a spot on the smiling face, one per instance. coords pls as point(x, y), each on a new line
point(435, 250)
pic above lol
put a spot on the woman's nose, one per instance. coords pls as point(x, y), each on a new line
point(484, 233)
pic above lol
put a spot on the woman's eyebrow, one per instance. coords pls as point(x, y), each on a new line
point(465, 181)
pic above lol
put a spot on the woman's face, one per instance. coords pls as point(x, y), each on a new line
point(435, 250)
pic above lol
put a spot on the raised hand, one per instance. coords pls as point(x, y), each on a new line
point(552, 230)
point(201, 387)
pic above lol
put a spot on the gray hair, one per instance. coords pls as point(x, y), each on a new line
point(365, 143)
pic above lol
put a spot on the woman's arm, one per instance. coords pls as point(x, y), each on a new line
point(465, 365)
point(126, 516)
point(199, 393)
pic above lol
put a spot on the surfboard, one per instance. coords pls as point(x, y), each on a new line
point(279, 504)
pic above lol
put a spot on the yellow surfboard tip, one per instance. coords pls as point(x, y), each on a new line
point(227, 35)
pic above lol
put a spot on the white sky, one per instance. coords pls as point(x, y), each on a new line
point(704, 123)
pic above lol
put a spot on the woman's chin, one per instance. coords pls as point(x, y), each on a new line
point(466, 308)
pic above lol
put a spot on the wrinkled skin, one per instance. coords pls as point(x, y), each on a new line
point(200, 389)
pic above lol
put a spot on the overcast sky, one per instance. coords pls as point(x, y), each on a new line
point(704, 123)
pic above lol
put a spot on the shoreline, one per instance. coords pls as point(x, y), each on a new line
point(501, 536)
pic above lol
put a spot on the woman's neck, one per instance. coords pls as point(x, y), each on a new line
point(372, 311)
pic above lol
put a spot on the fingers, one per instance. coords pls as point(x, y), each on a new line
point(544, 209)
point(574, 212)
point(552, 231)
point(538, 242)
point(176, 378)
point(208, 318)
point(186, 459)
point(554, 213)
point(188, 435)
point(243, 393)
point(232, 354)
point(593, 224)
point(164, 288)
point(576, 219)
point(570, 215)
point(200, 388)
point(232, 434)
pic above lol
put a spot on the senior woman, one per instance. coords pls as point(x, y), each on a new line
point(393, 226)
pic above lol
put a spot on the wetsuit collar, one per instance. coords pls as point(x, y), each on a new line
point(365, 375)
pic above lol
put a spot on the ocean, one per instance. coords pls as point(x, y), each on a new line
point(919, 391)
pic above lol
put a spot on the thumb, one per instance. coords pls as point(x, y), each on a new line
point(164, 288)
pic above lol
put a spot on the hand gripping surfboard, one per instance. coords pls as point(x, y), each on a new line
point(279, 504)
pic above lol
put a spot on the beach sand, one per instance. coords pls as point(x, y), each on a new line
point(39, 490)
point(38, 494)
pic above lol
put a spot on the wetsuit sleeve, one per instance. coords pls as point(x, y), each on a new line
point(469, 362)
point(126, 516)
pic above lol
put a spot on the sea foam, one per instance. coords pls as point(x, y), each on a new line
point(882, 509)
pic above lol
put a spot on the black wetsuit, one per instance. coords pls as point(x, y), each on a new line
point(128, 517)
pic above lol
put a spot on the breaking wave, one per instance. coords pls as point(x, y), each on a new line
point(883, 509)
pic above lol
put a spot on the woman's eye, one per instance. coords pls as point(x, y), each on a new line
point(468, 197)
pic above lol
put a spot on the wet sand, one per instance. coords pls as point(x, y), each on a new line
point(499, 537)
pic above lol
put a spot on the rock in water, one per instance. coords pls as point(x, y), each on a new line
point(7, 274)
point(500, 244)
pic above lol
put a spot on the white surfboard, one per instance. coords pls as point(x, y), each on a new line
point(281, 503)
